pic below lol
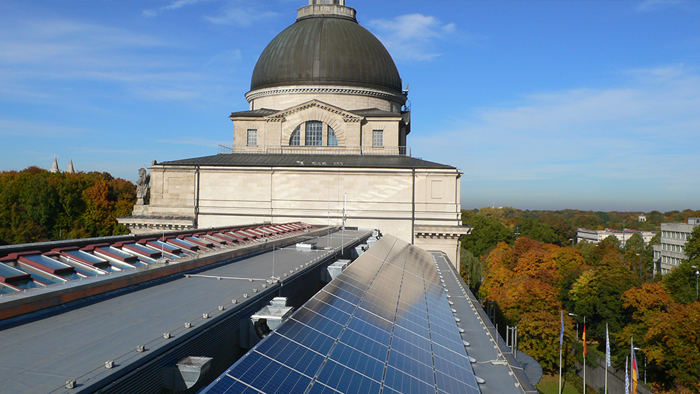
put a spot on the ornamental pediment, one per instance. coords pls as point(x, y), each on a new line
point(282, 115)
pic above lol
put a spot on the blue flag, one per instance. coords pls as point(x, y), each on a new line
point(561, 331)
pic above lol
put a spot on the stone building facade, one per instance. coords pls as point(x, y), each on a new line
point(324, 139)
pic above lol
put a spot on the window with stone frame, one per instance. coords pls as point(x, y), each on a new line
point(314, 133)
point(252, 137)
point(377, 138)
point(332, 138)
point(295, 138)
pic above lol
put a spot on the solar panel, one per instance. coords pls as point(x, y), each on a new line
point(383, 325)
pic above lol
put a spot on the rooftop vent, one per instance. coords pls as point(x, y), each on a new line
point(188, 372)
point(270, 317)
point(305, 247)
point(336, 268)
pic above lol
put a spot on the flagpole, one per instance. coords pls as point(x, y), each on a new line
point(584, 355)
point(607, 356)
point(561, 341)
point(634, 370)
point(627, 377)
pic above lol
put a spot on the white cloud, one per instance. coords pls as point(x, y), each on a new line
point(42, 60)
point(174, 5)
point(25, 128)
point(412, 36)
point(231, 14)
point(638, 138)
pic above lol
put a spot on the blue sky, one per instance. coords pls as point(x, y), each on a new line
point(542, 104)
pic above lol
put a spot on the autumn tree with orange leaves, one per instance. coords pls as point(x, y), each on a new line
point(37, 205)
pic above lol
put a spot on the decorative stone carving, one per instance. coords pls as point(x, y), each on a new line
point(142, 186)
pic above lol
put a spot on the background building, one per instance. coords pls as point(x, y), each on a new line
point(595, 236)
point(671, 251)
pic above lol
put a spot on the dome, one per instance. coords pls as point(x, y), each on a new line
point(329, 50)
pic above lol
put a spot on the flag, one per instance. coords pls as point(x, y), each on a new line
point(627, 378)
point(607, 346)
point(633, 368)
point(561, 331)
point(584, 340)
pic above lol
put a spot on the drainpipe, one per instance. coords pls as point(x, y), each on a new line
point(196, 197)
point(413, 206)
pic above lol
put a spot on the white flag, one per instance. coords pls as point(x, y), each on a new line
point(607, 346)
point(627, 378)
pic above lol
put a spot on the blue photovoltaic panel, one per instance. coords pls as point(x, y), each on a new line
point(383, 325)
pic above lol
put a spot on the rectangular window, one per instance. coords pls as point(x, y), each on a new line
point(377, 138)
point(252, 137)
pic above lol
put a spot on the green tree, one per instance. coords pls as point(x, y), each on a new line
point(597, 295)
point(487, 233)
point(635, 243)
point(471, 269)
point(692, 246)
point(681, 282)
point(536, 230)
point(610, 242)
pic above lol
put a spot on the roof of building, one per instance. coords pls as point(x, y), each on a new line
point(326, 49)
point(374, 112)
point(42, 351)
point(30, 274)
point(255, 113)
point(307, 160)
point(385, 323)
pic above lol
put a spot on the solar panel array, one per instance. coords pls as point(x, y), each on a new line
point(384, 325)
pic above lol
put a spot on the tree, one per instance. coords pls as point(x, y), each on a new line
point(635, 243)
point(487, 233)
point(471, 269)
point(36, 205)
point(536, 230)
point(692, 246)
point(538, 336)
point(610, 241)
point(674, 343)
point(681, 282)
point(597, 294)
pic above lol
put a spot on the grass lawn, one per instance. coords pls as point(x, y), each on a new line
point(548, 385)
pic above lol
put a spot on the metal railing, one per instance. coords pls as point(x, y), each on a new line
point(319, 150)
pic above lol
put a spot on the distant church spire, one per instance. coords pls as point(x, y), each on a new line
point(54, 166)
point(71, 169)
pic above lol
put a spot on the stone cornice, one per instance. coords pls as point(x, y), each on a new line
point(441, 232)
point(354, 91)
point(282, 115)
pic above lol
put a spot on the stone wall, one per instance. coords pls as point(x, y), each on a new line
point(396, 201)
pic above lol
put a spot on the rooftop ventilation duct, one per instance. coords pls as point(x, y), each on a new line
point(336, 268)
point(306, 247)
point(188, 372)
point(270, 317)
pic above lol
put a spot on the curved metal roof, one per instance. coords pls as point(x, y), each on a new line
point(326, 50)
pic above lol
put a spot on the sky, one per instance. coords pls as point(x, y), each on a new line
point(591, 105)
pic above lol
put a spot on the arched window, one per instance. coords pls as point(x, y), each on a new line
point(314, 133)
point(294, 138)
point(332, 139)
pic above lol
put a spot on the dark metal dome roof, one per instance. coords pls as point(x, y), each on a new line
point(326, 50)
